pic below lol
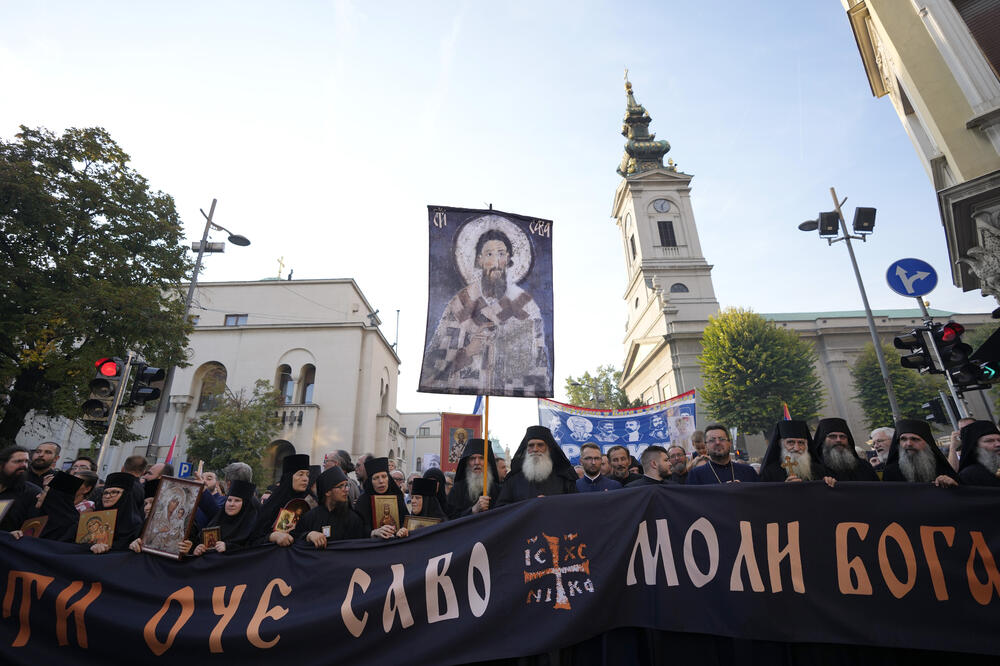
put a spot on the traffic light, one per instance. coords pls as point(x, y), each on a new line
point(920, 357)
point(142, 392)
point(104, 389)
point(954, 353)
point(934, 411)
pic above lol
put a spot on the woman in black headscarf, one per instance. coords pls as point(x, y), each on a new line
point(294, 484)
point(424, 499)
point(378, 482)
point(437, 476)
point(236, 519)
point(117, 494)
point(333, 519)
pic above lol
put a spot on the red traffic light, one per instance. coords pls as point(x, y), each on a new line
point(951, 332)
point(107, 367)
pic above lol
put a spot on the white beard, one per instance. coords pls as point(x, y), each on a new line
point(838, 458)
point(537, 468)
point(474, 483)
point(988, 459)
point(799, 464)
point(917, 466)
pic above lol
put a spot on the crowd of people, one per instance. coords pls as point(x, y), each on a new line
point(371, 499)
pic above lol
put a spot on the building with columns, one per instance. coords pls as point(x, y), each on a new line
point(937, 61)
point(669, 294)
point(317, 341)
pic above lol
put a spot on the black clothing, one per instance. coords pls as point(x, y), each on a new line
point(426, 489)
point(59, 506)
point(647, 481)
point(459, 503)
point(562, 480)
point(437, 475)
point(281, 496)
point(364, 506)
point(24, 495)
point(771, 464)
point(977, 475)
point(922, 430)
point(631, 478)
point(777, 474)
point(862, 469)
point(128, 522)
point(236, 531)
point(343, 523)
point(36, 479)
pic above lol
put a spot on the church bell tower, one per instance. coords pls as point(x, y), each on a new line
point(669, 295)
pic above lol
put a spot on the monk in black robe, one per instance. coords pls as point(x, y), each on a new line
point(117, 494)
point(333, 519)
point(294, 484)
point(539, 467)
point(236, 519)
point(979, 464)
point(915, 457)
point(435, 474)
point(791, 455)
point(13, 486)
point(466, 496)
point(835, 449)
point(378, 482)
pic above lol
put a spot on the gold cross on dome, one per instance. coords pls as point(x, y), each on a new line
point(281, 266)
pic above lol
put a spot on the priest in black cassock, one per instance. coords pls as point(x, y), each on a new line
point(466, 496)
point(377, 482)
point(333, 519)
point(791, 454)
point(915, 457)
point(835, 449)
point(235, 519)
point(980, 461)
point(539, 467)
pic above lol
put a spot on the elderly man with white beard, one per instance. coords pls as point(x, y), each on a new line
point(466, 496)
point(791, 455)
point(836, 450)
point(915, 458)
point(539, 467)
point(980, 461)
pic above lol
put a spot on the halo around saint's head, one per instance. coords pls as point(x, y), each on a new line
point(468, 236)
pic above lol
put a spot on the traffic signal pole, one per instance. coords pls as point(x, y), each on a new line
point(963, 411)
point(113, 418)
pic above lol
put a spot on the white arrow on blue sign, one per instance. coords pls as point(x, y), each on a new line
point(911, 277)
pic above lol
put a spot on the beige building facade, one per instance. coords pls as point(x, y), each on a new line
point(316, 340)
point(937, 62)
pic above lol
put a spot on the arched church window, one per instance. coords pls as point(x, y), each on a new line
point(286, 387)
point(667, 236)
point(308, 380)
point(679, 288)
point(631, 242)
point(213, 384)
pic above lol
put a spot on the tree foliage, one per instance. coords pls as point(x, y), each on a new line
point(238, 429)
point(912, 389)
point(93, 263)
point(600, 390)
point(750, 367)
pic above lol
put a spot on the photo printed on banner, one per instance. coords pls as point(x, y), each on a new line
point(489, 312)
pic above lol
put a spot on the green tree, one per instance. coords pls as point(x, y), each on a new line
point(912, 389)
point(750, 367)
point(600, 390)
point(93, 266)
point(239, 428)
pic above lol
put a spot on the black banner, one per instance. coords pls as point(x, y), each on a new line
point(861, 564)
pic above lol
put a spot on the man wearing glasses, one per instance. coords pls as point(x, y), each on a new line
point(721, 468)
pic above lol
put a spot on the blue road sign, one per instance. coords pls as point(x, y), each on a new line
point(184, 470)
point(911, 277)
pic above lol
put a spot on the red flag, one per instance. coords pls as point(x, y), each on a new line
point(170, 453)
point(784, 406)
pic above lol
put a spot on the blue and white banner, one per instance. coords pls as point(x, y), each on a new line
point(665, 424)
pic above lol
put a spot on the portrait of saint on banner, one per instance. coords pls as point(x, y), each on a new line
point(290, 515)
point(456, 431)
point(385, 511)
point(489, 307)
point(171, 516)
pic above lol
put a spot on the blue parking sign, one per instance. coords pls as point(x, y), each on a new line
point(184, 470)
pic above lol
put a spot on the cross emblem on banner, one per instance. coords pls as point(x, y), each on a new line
point(562, 601)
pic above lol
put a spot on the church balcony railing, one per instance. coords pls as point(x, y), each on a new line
point(295, 418)
point(668, 250)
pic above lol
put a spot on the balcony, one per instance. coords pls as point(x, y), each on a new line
point(297, 419)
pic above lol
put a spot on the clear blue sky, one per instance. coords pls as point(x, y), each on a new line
point(324, 130)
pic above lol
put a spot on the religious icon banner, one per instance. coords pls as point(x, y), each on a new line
point(859, 573)
point(666, 423)
point(456, 431)
point(489, 305)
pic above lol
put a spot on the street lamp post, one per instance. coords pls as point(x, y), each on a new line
point(864, 226)
point(161, 408)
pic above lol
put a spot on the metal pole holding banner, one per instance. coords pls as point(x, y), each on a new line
point(113, 419)
point(486, 448)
